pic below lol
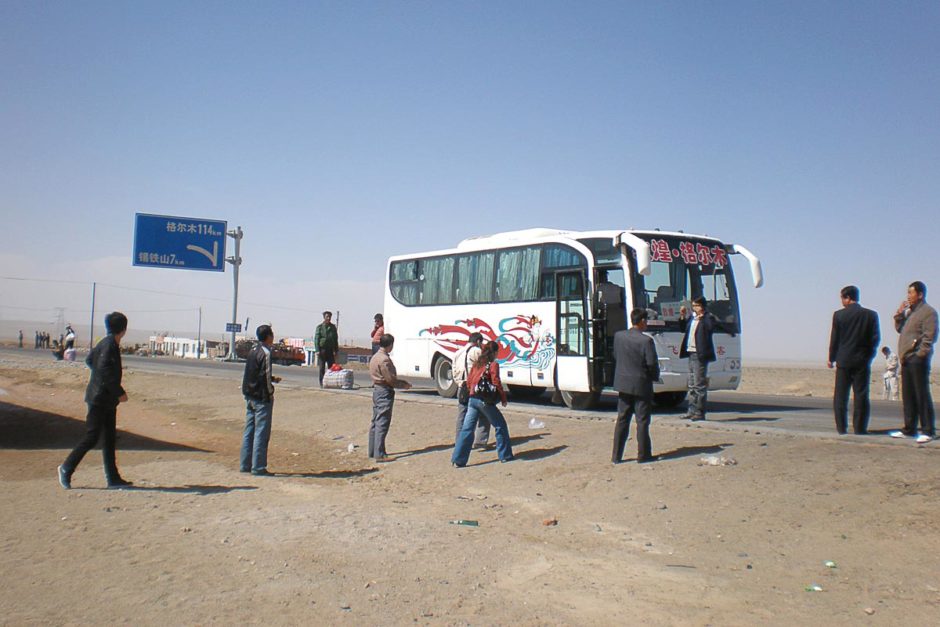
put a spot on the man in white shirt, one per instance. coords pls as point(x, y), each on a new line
point(892, 363)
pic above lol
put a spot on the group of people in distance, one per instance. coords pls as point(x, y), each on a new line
point(853, 344)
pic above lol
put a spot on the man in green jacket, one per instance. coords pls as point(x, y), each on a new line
point(326, 340)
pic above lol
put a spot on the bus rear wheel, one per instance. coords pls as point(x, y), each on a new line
point(580, 400)
point(444, 378)
point(669, 399)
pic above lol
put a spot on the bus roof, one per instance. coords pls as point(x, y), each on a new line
point(541, 234)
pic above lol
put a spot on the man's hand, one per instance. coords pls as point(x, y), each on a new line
point(503, 403)
point(122, 398)
point(683, 312)
point(904, 306)
point(829, 365)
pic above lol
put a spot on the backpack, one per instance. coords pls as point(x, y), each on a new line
point(485, 389)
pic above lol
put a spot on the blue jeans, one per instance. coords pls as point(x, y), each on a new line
point(257, 434)
point(465, 440)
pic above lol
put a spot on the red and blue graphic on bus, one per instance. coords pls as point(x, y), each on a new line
point(521, 340)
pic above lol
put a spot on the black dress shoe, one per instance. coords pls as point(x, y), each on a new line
point(119, 483)
point(65, 479)
point(646, 460)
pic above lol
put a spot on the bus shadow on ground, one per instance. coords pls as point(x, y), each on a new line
point(691, 451)
point(742, 407)
point(201, 490)
point(27, 428)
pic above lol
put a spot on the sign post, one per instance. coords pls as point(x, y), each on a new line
point(236, 261)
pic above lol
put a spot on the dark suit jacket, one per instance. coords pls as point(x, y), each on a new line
point(104, 386)
point(704, 345)
point(637, 363)
point(855, 337)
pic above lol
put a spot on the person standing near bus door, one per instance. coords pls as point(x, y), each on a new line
point(466, 356)
point(637, 367)
point(103, 394)
point(853, 344)
point(916, 321)
point(326, 341)
point(892, 364)
point(377, 332)
point(699, 347)
point(384, 383)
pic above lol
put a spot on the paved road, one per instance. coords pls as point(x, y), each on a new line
point(727, 410)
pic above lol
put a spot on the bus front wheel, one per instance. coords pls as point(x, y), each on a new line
point(580, 400)
point(444, 378)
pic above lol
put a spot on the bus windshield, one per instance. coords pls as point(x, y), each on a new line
point(682, 269)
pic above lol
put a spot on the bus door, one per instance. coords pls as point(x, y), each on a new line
point(571, 362)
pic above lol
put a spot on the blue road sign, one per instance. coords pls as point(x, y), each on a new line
point(233, 327)
point(181, 243)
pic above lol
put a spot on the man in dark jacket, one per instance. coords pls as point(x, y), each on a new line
point(258, 388)
point(326, 341)
point(699, 347)
point(853, 343)
point(637, 369)
point(103, 394)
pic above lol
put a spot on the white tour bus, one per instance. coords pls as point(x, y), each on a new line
point(554, 299)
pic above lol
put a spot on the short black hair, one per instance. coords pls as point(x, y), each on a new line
point(885, 349)
point(850, 292)
point(264, 332)
point(638, 315)
point(919, 287)
point(115, 322)
point(386, 340)
point(328, 313)
point(379, 317)
point(475, 337)
point(700, 300)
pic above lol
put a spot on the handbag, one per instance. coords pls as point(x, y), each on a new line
point(485, 390)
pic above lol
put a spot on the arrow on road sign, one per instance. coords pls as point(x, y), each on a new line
point(213, 256)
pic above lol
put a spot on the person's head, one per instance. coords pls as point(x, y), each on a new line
point(379, 320)
point(488, 354)
point(327, 316)
point(638, 318)
point(916, 292)
point(265, 334)
point(849, 295)
point(698, 305)
point(116, 324)
point(885, 350)
point(387, 341)
point(475, 339)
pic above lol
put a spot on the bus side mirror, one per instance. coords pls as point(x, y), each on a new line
point(642, 248)
point(757, 273)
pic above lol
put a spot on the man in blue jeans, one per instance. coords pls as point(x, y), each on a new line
point(258, 388)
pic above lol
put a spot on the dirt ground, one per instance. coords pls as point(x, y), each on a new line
point(335, 539)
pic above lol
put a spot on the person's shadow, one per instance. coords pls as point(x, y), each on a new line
point(201, 490)
point(420, 451)
point(327, 474)
point(690, 451)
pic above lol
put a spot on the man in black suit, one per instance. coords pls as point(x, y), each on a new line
point(853, 343)
point(699, 348)
point(103, 394)
point(637, 368)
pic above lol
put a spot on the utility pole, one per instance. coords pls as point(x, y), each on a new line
point(91, 329)
point(199, 336)
point(236, 261)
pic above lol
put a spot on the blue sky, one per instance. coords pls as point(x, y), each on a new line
point(340, 133)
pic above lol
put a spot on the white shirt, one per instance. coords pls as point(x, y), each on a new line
point(466, 355)
point(690, 347)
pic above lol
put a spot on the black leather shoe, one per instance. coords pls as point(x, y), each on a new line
point(646, 460)
point(119, 483)
point(65, 479)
